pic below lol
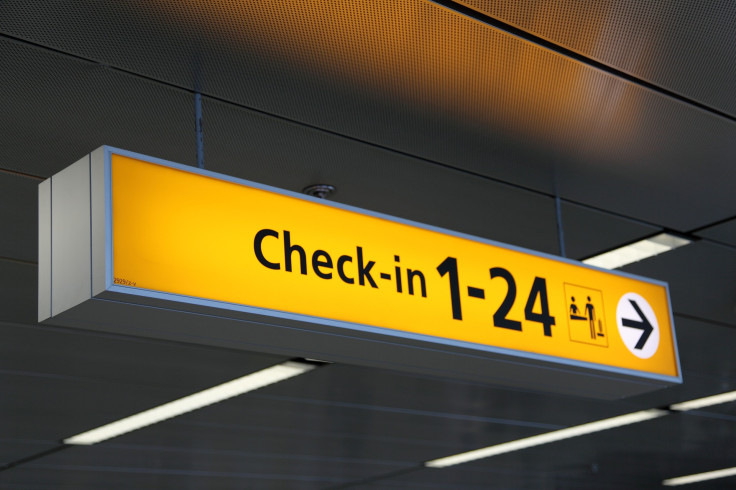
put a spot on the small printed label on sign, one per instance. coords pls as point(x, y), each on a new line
point(637, 325)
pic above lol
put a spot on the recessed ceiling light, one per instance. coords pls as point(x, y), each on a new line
point(709, 475)
point(546, 438)
point(195, 401)
point(634, 252)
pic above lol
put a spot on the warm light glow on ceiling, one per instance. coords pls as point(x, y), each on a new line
point(424, 55)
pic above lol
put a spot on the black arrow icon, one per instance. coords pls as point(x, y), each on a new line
point(642, 324)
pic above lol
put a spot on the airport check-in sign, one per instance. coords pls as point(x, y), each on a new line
point(134, 245)
point(198, 236)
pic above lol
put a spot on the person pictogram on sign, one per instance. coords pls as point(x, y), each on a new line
point(590, 313)
point(586, 315)
point(574, 311)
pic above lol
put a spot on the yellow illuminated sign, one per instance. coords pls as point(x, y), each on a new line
point(179, 232)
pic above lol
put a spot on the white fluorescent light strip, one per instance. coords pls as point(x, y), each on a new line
point(578, 430)
point(704, 402)
point(649, 247)
point(694, 405)
point(709, 475)
point(195, 401)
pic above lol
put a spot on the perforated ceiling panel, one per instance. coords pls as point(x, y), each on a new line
point(687, 47)
point(56, 109)
point(265, 149)
point(417, 78)
point(18, 240)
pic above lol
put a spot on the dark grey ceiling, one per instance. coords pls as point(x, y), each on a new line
point(410, 109)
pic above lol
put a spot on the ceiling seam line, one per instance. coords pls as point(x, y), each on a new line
point(713, 223)
point(372, 479)
point(710, 415)
point(423, 413)
point(703, 320)
point(551, 194)
point(574, 55)
point(717, 243)
point(17, 173)
point(33, 457)
point(120, 336)
point(18, 261)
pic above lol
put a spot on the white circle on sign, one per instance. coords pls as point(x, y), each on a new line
point(637, 325)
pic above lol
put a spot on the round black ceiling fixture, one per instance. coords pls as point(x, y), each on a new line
point(319, 190)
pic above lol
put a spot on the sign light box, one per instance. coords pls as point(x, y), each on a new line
point(135, 245)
